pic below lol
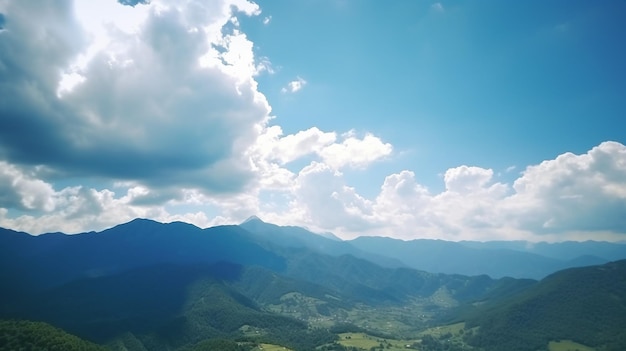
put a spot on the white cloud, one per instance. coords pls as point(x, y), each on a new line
point(273, 151)
point(355, 152)
point(294, 86)
point(148, 93)
point(560, 199)
point(274, 146)
point(21, 190)
point(465, 180)
point(510, 169)
point(437, 7)
point(584, 192)
point(324, 200)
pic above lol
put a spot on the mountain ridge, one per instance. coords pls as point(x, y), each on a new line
point(518, 259)
point(171, 286)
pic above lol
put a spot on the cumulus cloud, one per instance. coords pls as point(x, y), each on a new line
point(355, 152)
point(42, 208)
point(21, 190)
point(569, 197)
point(574, 192)
point(294, 86)
point(171, 97)
point(321, 195)
point(348, 150)
point(283, 149)
point(465, 180)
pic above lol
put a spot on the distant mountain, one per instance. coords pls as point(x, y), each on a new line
point(496, 259)
point(289, 237)
point(564, 251)
point(371, 283)
point(586, 305)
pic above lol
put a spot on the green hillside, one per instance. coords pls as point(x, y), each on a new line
point(36, 336)
point(166, 307)
point(146, 286)
point(586, 305)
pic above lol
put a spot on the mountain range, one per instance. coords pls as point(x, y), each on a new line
point(145, 285)
point(517, 259)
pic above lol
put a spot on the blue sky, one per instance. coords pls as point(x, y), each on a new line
point(455, 119)
point(491, 84)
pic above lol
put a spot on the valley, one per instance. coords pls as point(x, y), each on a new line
point(146, 286)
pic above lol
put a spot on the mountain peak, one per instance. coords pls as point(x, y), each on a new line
point(253, 218)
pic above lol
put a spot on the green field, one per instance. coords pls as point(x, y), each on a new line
point(397, 321)
point(366, 342)
point(454, 329)
point(270, 347)
point(568, 345)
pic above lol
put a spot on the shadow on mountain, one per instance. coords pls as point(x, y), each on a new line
point(53, 259)
point(136, 301)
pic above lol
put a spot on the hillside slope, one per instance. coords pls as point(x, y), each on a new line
point(586, 305)
point(35, 336)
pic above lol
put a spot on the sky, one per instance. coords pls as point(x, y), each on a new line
point(455, 120)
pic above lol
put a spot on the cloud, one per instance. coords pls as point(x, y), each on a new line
point(150, 102)
point(267, 20)
point(323, 199)
point(574, 192)
point(570, 197)
point(355, 152)
point(294, 86)
point(284, 149)
point(20, 190)
point(349, 151)
point(465, 180)
point(510, 169)
point(437, 7)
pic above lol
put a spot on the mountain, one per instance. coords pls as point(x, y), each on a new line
point(151, 284)
point(52, 259)
point(164, 306)
point(145, 285)
point(372, 283)
point(35, 336)
point(289, 237)
point(496, 259)
point(586, 305)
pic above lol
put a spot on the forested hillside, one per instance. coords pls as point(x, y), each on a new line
point(36, 336)
point(586, 305)
point(144, 286)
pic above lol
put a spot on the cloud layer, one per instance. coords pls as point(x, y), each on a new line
point(155, 112)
